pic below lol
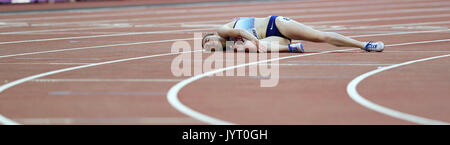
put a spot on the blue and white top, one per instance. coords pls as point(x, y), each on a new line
point(245, 23)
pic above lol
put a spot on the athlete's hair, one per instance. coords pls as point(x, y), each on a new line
point(206, 35)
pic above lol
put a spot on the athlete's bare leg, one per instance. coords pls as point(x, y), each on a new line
point(282, 44)
point(298, 31)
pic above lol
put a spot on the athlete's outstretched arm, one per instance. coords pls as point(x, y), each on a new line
point(228, 31)
point(266, 45)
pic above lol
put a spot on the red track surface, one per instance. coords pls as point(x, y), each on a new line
point(311, 90)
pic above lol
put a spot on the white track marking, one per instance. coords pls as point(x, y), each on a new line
point(55, 30)
point(135, 93)
point(383, 19)
point(91, 47)
point(140, 13)
point(420, 42)
point(171, 40)
point(322, 22)
point(157, 32)
point(183, 11)
point(392, 26)
point(415, 51)
point(330, 64)
point(353, 93)
point(24, 32)
point(201, 23)
point(240, 13)
point(399, 33)
point(109, 35)
point(172, 95)
point(105, 80)
point(285, 12)
point(2, 88)
point(141, 120)
point(56, 63)
point(7, 121)
point(50, 58)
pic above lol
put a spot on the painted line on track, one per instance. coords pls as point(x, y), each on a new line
point(7, 121)
point(165, 24)
point(38, 63)
point(184, 11)
point(91, 47)
point(104, 80)
point(172, 95)
point(355, 96)
point(141, 120)
point(172, 40)
point(108, 35)
point(284, 12)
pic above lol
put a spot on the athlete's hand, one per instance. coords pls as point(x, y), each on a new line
point(251, 46)
point(239, 46)
point(247, 46)
point(261, 46)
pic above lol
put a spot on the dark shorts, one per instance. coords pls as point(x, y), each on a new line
point(272, 29)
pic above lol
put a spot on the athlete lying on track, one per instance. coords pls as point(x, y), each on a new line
point(255, 34)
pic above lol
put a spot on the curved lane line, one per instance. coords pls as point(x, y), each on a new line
point(172, 95)
point(6, 121)
point(353, 93)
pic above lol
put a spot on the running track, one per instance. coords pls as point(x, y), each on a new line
point(113, 67)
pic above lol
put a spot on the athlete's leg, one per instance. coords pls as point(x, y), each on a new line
point(282, 44)
point(298, 31)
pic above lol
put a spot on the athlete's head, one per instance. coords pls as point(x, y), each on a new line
point(212, 41)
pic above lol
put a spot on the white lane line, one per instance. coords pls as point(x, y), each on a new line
point(302, 77)
point(20, 81)
point(139, 33)
point(90, 47)
point(331, 64)
point(231, 14)
point(399, 33)
point(184, 11)
point(141, 120)
point(115, 93)
point(56, 63)
point(76, 33)
point(420, 42)
point(172, 40)
point(424, 51)
point(2, 90)
point(105, 80)
point(384, 19)
point(55, 30)
point(353, 93)
point(172, 95)
point(201, 24)
point(24, 32)
point(319, 22)
point(53, 58)
point(109, 35)
point(6, 121)
point(90, 23)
